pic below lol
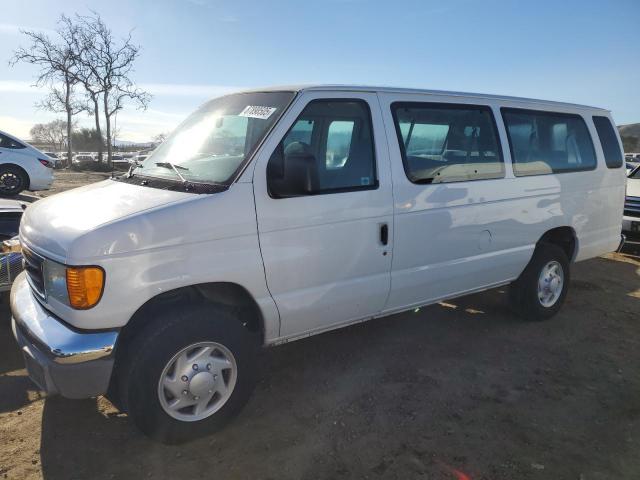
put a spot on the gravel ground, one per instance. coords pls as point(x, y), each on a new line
point(459, 390)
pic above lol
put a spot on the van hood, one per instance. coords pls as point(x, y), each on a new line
point(53, 224)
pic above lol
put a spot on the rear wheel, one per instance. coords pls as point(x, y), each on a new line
point(13, 180)
point(540, 291)
point(188, 373)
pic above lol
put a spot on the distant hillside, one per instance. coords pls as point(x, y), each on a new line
point(127, 143)
point(630, 137)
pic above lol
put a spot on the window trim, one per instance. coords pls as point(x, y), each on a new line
point(548, 113)
point(453, 106)
point(376, 183)
point(613, 128)
point(18, 145)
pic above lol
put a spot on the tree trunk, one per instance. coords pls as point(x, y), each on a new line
point(96, 114)
point(107, 118)
point(69, 126)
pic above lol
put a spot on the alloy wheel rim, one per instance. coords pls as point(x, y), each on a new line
point(9, 182)
point(550, 284)
point(197, 381)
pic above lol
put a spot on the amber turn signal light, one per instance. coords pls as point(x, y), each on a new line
point(84, 285)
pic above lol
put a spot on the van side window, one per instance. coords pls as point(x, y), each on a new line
point(300, 132)
point(329, 149)
point(338, 143)
point(447, 142)
point(546, 142)
point(609, 141)
point(6, 142)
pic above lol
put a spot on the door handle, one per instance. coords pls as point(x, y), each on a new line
point(384, 234)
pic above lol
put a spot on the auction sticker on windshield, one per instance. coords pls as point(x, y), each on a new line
point(256, 111)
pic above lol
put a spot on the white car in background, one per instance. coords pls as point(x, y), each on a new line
point(22, 166)
point(631, 219)
point(83, 158)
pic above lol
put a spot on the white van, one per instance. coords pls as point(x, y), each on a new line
point(23, 166)
point(272, 215)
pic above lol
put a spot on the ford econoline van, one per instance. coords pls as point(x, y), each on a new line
point(275, 214)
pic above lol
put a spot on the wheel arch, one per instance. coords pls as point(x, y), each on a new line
point(227, 294)
point(231, 295)
point(564, 237)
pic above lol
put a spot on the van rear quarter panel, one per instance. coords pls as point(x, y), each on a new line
point(452, 238)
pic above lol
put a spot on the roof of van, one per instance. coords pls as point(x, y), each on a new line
point(364, 88)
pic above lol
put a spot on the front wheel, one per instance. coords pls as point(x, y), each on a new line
point(542, 287)
point(13, 180)
point(189, 373)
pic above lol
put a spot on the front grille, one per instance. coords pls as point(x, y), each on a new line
point(632, 206)
point(10, 267)
point(33, 264)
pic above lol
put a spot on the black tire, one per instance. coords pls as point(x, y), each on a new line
point(155, 346)
point(13, 180)
point(523, 293)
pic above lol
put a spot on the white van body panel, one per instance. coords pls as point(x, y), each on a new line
point(323, 258)
point(40, 177)
point(459, 237)
point(150, 241)
point(314, 263)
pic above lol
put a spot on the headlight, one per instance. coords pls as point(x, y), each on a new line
point(78, 287)
point(55, 281)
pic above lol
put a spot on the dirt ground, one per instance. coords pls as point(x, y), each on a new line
point(459, 390)
point(68, 179)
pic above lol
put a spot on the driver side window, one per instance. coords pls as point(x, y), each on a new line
point(329, 149)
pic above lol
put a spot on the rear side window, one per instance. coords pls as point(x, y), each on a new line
point(546, 142)
point(6, 142)
point(443, 143)
point(329, 149)
point(609, 141)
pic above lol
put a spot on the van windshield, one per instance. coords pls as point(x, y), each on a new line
point(212, 144)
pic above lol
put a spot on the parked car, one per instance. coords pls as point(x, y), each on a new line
point(631, 219)
point(280, 220)
point(56, 158)
point(22, 166)
point(10, 260)
point(84, 159)
point(10, 214)
point(118, 161)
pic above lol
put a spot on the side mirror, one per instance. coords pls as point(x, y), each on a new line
point(292, 173)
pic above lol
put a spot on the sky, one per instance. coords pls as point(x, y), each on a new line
point(581, 51)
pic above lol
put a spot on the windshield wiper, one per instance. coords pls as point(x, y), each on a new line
point(135, 164)
point(174, 168)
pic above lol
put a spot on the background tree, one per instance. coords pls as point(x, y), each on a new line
point(110, 64)
point(53, 133)
point(87, 139)
point(57, 61)
point(84, 73)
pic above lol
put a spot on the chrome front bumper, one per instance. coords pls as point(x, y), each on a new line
point(59, 359)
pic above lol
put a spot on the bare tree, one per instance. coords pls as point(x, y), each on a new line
point(110, 64)
point(53, 133)
point(57, 61)
point(85, 74)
